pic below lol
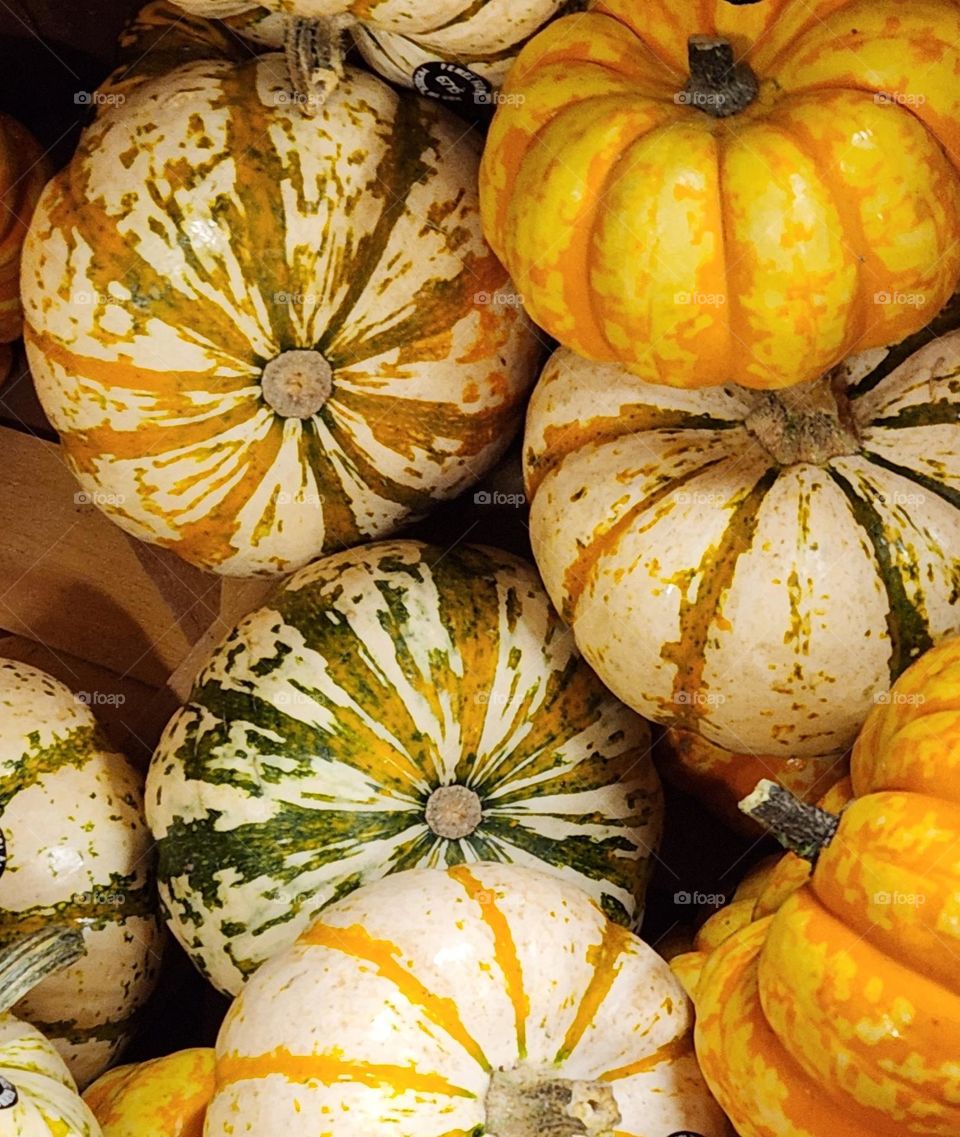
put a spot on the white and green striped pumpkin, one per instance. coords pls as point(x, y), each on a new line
point(487, 999)
point(750, 566)
point(263, 337)
point(38, 1096)
point(393, 706)
point(397, 36)
point(77, 852)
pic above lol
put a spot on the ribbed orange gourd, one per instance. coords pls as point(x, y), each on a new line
point(839, 1015)
point(23, 173)
point(165, 1097)
point(723, 192)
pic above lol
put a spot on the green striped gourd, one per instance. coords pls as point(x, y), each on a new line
point(263, 337)
point(393, 706)
point(486, 999)
point(751, 567)
point(38, 1096)
point(77, 851)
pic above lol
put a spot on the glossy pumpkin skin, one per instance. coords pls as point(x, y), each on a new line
point(762, 605)
point(226, 229)
point(315, 737)
point(77, 852)
point(23, 173)
point(837, 1015)
point(761, 248)
point(164, 1097)
point(396, 36)
point(395, 1008)
point(721, 778)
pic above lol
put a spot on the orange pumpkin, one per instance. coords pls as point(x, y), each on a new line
point(704, 222)
point(165, 1097)
point(23, 173)
point(839, 1015)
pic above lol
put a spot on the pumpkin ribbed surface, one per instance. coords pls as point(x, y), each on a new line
point(714, 588)
point(406, 998)
point(381, 691)
point(206, 229)
point(78, 853)
point(760, 248)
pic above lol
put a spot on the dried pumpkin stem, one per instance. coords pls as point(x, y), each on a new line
point(523, 1103)
point(811, 422)
point(28, 961)
point(803, 829)
point(315, 52)
point(453, 812)
point(718, 86)
point(297, 383)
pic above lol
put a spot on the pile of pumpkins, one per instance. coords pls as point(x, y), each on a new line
point(278, 306)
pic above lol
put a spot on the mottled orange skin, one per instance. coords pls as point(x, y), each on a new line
point(761, 248)
point(23, 173)
point(839, 1014)
point(722, 778)
point(166, 1097)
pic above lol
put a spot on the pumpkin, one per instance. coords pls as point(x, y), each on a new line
point(263, 338)
point(76, 850)
point(485, 999)
point(404, 40)
point(728, 192)
point(164, 1097)
point(23, 171)
point(391, 707)
point(755, 568)
point(38, 1096)
point(835, 1014)
point(721, 778)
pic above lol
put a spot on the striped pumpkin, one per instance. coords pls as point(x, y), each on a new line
point(397, 36)
point(749, 566)
point(260, 337)
point(485, 999)
point(23, 173)
point(392, 707)
point(38, 1096)
point(731, 191)
point(77, 851)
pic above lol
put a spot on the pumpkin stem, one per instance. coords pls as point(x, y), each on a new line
point(297, 383)
point(803, 829)
point(315, 52)
point(28, 961)
point(811, 422)
point(522, 1103)
point(718, 86)
point(453, 812)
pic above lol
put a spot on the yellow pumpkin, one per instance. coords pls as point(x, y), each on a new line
point(165, 1097)
point(705, 222)
point(839, 1015)
point(23, 172)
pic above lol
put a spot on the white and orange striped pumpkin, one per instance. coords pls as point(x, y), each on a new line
point(747, 565)
point(484, 999)
point(263, 337)
point(397, 36)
